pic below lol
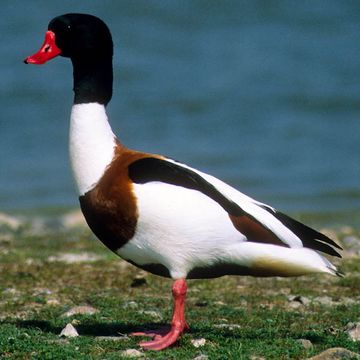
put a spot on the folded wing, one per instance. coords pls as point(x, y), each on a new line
point(257, 221)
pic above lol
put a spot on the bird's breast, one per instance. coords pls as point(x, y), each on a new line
point(110, 208)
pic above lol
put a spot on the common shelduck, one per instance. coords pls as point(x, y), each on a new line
point(156, 213)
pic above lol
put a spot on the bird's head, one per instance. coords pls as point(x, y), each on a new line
point(76, 36)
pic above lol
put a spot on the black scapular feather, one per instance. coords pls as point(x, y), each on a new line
point(153, 169)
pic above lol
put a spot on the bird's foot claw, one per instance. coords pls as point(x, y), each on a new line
point(161, 338)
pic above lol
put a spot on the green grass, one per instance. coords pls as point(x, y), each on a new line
point(35, 292)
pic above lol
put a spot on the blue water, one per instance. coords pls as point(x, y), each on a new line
point(263, 94)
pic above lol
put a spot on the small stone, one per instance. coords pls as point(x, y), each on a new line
point(69, 331)
point(73, 219)
point(41, 291)
point(346, 229)
point(10, 222)
point(131, 305)
point(74, 258)
point(52, 302)
point(230, 327)
point(324, 300)
point(10, 291)
point(132, 353)
point(83, 310)
point(353, 330)
point(336, 354)
point(201, 357)
point(30, 261)
point(302, 300)
point(352, 245)
point(219, 303)
point(306, 344)
point(348, 301)
point(295, 305)
point(223, 320)
point(198, 342)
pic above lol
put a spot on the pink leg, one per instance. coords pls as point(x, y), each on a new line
point(178, 324)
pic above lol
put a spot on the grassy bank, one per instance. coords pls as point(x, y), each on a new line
point(48, 270)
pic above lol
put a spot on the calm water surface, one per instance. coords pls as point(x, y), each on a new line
point(263, 94)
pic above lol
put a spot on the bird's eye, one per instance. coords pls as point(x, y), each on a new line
point(47, 48)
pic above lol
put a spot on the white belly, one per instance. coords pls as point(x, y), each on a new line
point(180, 229)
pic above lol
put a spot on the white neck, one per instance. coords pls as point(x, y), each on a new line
point(91, 145)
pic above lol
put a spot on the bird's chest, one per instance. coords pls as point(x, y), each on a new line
point(111, 214)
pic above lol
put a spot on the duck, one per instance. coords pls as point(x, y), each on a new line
point(159, 214)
